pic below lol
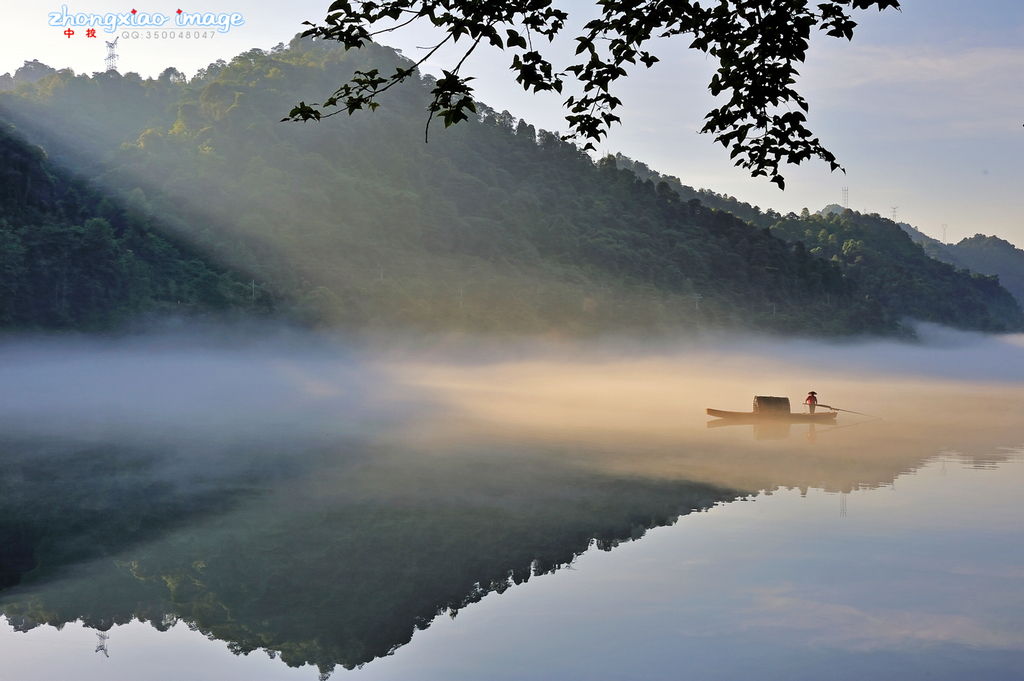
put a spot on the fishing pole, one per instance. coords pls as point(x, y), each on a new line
point(827, 406)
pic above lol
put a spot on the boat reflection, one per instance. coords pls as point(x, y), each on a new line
point(771, 430)
point(762, 430)
point(781, 430)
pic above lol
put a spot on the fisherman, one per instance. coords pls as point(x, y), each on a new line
point(811, 401)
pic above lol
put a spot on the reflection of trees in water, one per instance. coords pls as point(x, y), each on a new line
point(341, 566)
point(64, 502)
point(342, 578)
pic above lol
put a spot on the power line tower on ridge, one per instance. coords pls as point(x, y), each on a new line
point(846, 197)
point(112, 56)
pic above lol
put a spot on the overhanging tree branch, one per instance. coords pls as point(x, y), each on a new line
point(757, 44)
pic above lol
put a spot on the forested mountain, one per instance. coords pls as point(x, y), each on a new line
point(898, 275)
point(979, 253)
point(992, 255)
point(71, 257)
point(707, 197)
point(492, 225)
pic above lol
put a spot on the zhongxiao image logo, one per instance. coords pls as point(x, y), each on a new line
point(112, 21)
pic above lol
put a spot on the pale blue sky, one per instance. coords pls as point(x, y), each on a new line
point(924, 108)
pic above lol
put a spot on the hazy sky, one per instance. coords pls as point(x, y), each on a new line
point(924, 108)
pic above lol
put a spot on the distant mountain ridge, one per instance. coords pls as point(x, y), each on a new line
point(897, 274)
point(979, 253)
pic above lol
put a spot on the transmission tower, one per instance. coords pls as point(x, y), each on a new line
point(846, 197)
point(894, 208)
point(944, 225)
point(112, 56)
point(101, 644)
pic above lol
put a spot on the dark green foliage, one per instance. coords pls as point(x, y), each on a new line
point(30, 72)
point(992, 255)
point(980, 253)
point(897, 278)
point(71, 258)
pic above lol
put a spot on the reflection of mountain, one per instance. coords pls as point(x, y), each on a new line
point(842, 458)
point(64, 502)
point(342, 568)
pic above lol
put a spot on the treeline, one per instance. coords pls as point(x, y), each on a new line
point(30, 72)
point(492, 225)
point(730, 204)
point(72, 257)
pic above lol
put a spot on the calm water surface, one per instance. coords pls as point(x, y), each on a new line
point(533, 513)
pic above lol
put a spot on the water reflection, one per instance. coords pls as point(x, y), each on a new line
point(776, 430)
point(341, 568)
point(768, 430)
point(332, 548)
point(771, 431)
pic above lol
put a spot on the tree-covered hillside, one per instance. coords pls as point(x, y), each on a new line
point(730, 204)
point(898, 276)
point(992, 255)
point(492, 225)
point(73, 258)
point(979, 253)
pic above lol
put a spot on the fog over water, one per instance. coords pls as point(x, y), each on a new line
point(951, 391)
point(289, 378)
point(223, 385)
point(209, 389)
point(332, 497)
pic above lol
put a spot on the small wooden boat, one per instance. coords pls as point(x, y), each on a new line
point(758, 417)
point(771, 409)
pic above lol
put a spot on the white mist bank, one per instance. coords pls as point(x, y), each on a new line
point(941, 352)
point(219, 385)
point(266, 377)
point(635, 409)
point(275, 387)
point(627, 376)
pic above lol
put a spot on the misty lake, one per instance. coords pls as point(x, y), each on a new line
point(206, 506)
